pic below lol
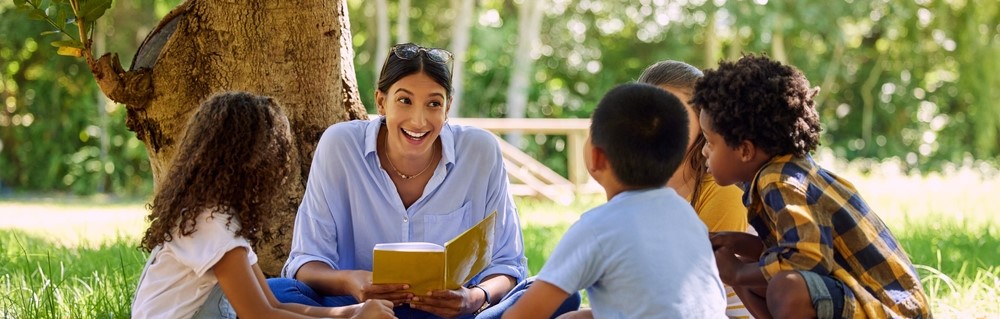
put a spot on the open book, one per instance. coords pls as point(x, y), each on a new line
point(429, 266)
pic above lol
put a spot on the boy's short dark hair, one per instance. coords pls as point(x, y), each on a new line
point(643, 131)
point(763, 101)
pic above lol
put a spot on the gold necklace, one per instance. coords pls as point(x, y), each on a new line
point(401, 175)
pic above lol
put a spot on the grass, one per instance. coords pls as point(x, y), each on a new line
point(45, 280)
point(77, 258)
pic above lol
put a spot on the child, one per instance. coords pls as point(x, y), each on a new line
point(824, 253)
point(643, 254)
point(719, 207)
point(207, 214)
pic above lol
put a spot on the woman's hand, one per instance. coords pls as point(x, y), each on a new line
point(361, 287)
point(747, 247)
point(374, 309)
point(447, 303)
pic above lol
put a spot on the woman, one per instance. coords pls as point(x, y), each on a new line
point(720, 208)
point(407, 175)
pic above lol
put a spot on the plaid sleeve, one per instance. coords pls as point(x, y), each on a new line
point(799, 240)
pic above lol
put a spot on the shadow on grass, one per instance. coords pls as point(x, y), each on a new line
point(44, 280)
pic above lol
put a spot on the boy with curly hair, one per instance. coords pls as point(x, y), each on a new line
point(822, 252)
point(644, 253)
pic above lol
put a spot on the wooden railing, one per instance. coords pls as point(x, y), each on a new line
point(530, 177)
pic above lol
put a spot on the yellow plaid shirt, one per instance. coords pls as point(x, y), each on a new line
point(811, 219)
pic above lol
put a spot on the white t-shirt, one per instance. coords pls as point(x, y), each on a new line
point(644, 254)
point(178, 277)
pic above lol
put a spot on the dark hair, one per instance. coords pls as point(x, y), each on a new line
point(671, 73)
point(681, 76)
point(396, 68)
point(232, 160)
point(643, 131)
point(763, 101)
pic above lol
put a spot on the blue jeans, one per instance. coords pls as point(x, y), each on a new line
point(294, 291)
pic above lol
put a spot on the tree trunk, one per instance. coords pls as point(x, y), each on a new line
point(459, 45)
point(529, 26)
point(403, 24)
point(382, 37)
point(298, 52)
point(712, 40)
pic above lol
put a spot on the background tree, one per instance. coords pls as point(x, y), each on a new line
point(299, 53)
point(461, 34)
point(908, 83)
point(529, 29)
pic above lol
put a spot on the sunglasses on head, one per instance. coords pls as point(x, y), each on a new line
point(408, 51)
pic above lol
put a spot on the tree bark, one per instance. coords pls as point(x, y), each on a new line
point(382, 37)
point(403, 24)
point(461, 34)
point(298, 52)
point(529, 27)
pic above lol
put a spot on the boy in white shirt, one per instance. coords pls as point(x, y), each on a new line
point(645, 253)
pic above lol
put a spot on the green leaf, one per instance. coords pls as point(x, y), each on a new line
point(51, 32)
point(61, 19)
point(36, 14)
point(20, 2)
point(91, 10)
point(68, 43)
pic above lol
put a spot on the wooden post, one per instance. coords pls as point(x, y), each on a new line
point(577, 169)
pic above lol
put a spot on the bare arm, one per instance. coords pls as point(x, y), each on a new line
point(358, 283)
point(747, 246)
point(245, 290)
point(737, 273)
point(244, 286)
point(540, 301)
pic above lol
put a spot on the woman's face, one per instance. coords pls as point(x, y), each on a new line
point(694, 128)
point(415, 109)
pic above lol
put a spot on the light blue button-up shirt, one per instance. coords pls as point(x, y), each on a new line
point(350, 204)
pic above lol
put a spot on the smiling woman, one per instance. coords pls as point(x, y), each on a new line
point(413, 178)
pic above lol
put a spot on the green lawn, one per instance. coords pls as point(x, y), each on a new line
point(77, 258)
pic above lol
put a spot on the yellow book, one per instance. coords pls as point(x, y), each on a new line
point(429, 266)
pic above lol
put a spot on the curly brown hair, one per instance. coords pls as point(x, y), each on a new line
point(234, 156)
point(763, 101)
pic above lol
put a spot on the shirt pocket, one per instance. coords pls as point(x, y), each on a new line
point(440, 228)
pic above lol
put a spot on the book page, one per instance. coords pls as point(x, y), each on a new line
point(411, 246)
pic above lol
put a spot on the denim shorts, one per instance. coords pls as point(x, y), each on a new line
point(216, 306)
point(827, 294)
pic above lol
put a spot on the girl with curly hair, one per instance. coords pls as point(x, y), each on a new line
point(207, 215)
